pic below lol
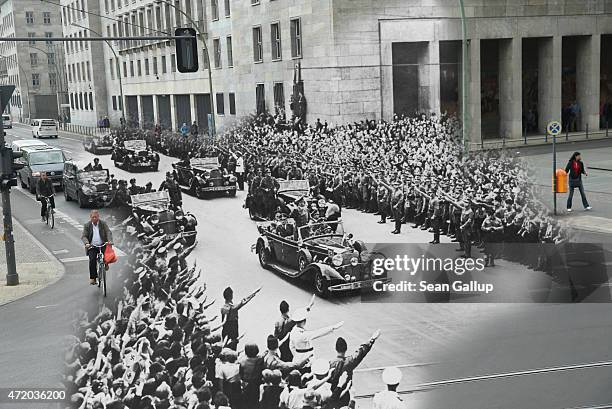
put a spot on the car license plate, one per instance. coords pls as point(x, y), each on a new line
point(145, 163)
point(219, 188)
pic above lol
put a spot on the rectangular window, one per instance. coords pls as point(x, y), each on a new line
point(36, 80)
point(154, 65)
point(146, 64)
point(131, 68)
point(230, 52)
point(228, 10)
point(111, 65)
point(46, 17)
point(168, 18)
point(139, 68)
point(232, 103)
point(29, 17)
point(164, 65)
point(149, 22)
point(276, 41)
point(114, 103)
point(124, 69)
point(217, 50)
point(52, 80)
point(172, 63)
point(220, 104)
point(257, 45)
point(296, 38)
point(33, 59)
point(49, 35)
point(214, 6)
point(113, 4)
point(260, 99)
point(32, 35)
point(158, 18)
point(51, 58)
point(279, 97)
point(205, 59)
point(88, 72)
point(178, 17)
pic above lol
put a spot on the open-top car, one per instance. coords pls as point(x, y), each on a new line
point(204, 176)
point(321, 253)
point(289, 191)
point(134, 156)
point(88, 188)
point(98, 144)
point(155, 207)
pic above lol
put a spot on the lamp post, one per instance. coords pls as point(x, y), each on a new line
point(207, 56)
point(464, 88)
point(117, 68)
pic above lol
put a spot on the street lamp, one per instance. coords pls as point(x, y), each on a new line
point(207, 56)
point(117, 68)
point(464, 68)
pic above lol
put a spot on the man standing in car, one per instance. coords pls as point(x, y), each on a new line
point(44, 188)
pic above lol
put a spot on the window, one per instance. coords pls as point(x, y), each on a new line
point(48, 35)
point(296, 38)
point(205, 59)
point(139, 68)
point(158, 18)
point(232, 103)
point(46, 17)
point(228, 10)
point(91, 105)
point(111, 65)
point(279, 97)
point(114, 103)
point(33, 59)
point(217, 50)
point(131, 68)
point(154, 65)
point(164, 65)
point(29, 17)
point(257, 46)
point(168, 17)
point(214, 5)
point(32, 35)
point(124, 69)
point(230, 52)
point(88, 72)
point(86, 102)
point(172, 63)
point(276, 41)
point(72, 100)
point(113, 4)
point(178, 17)
point(52, 80)
point(51, 58)
point(260, 99)
point(36, 80)
point(146, 64)
point(220, 104)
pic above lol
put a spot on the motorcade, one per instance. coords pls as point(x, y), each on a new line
point(321, 253)
point(204, 177)
point(87, 188)
point(98, 144)
point(134, 155)
point(37, 159)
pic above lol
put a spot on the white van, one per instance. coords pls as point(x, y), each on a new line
point(44, 128)
point(7, 121)
point(19, 144)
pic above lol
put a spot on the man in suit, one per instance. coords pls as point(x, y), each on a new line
point(95, 233)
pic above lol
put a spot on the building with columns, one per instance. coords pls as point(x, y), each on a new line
point(528, 62)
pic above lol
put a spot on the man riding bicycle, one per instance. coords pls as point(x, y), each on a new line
point(44, 188)
point(96, 233)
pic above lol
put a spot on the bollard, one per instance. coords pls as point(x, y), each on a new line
point(566, 134)
point(587, 131)
point(546, 137)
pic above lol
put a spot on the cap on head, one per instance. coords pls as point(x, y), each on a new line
point(299, 315)
point(392, 376)
point(320, 367)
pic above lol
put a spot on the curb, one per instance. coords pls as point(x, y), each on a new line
point(58, 264)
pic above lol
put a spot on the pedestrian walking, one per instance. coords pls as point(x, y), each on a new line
point(575, 170)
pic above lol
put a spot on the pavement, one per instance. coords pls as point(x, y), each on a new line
point(437, 346)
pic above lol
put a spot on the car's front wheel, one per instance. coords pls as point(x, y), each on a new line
point(321, 284)
point(264, 255)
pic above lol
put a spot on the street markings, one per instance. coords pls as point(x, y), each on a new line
point(74, 259)
point(46, 306)
point(62, 251)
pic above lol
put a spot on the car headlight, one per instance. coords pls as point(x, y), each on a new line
point(337, 260)
point(35, 174)
point(206, 176)
point(211, 184)
point(347, 277)
point(354, 261)
point(226, 183)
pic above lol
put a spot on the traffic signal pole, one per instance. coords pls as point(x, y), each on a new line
point(12, 278)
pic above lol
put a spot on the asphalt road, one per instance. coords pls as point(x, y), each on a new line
point(431, 342)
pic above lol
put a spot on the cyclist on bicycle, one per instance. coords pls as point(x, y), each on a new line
point(44, 187)
point(95, 233)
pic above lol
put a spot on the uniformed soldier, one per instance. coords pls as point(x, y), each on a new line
point(295, 173)
point(268, 187)
point(492, 228)
point(300, 339)
point(466, 226)
point(300, 213)
point(382, 196)
point(134, 189)
point(174, 190)
point(436, 216)
point(389, 398)
point(397, 206)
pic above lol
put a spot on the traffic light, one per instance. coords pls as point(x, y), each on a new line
point(9, 166)
point(186, 50)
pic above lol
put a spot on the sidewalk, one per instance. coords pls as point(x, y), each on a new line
point(36, 266)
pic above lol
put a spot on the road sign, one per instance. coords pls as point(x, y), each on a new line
point(554, 128)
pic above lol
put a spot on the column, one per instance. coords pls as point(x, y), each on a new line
point(173, 113)
point(434, 77)
point(140, 111)
point(549, 81)
point(474, 108)
point(588, 72)
point(155, 110)
point(510, 87)
point(194, 108)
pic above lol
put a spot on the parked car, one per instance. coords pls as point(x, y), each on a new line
point(134, 155)
point(204, 177)
point(19, 144)
point(44, 128)
point(98, 144)
point(321, 253)
point(88, 188)
point(7, 122)
point(37, 159)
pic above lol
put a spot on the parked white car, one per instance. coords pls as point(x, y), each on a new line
point(7, 121)
point(42, 128)
point(19, 144)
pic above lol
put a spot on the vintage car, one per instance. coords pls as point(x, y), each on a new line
point(289, 191)
point(134, 155)
point(204, 177)
point(88, 188)
point(320, 253)
point(98, 144)
point(155, 207)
